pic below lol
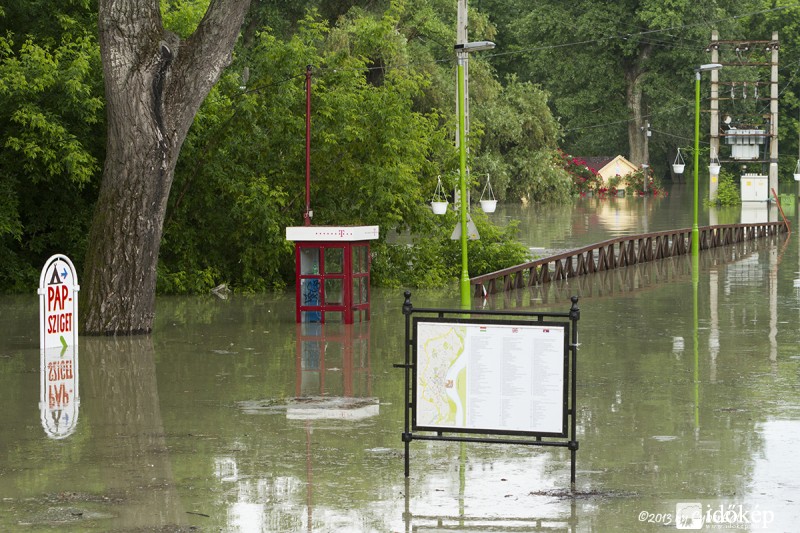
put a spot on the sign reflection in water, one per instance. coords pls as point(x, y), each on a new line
point(58, 318)
point(58, 400)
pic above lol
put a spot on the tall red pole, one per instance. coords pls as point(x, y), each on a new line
point(307, 215)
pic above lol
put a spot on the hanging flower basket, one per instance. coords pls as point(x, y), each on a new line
point(439, 201)
point(488, 204)
point(679, 165)
point(714, 166)
point(439, 208)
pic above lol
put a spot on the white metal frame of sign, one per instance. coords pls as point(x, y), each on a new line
point(58, 334)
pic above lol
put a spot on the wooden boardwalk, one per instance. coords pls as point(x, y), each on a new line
point(619, 252)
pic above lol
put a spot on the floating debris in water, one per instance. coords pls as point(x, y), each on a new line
point(566, 493)
point(221, 291)
point(315, 407)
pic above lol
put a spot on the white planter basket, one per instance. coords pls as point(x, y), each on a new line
point(679, 165)
point(439, 208)
point(488, 204)
point(439, 201)
point(713, 165)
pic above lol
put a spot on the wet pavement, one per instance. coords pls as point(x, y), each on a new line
point(230, 417)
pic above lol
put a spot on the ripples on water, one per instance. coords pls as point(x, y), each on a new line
point(190, 427)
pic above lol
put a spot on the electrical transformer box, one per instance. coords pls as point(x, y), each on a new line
point(755, 188)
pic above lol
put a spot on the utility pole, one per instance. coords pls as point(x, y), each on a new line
point(714, 117)
point(773, 111)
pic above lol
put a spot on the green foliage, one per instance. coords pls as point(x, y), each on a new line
point(519, 134)
point(183, 16)
point(587, 55)
point(728, 192)
point(186, 282)
point(382, 125)
point(47, 94)
point(496, 249)
point(377, 144)
point(51, 126)
point(243, 163)
point(435, 260)
point(635, 183)
point(614, 182)
point(542, 179)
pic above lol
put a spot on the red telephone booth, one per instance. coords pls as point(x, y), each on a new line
point(332, 266)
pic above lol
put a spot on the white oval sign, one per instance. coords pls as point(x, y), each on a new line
point(58, 303)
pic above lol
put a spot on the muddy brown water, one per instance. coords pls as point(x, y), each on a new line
point(198, 427)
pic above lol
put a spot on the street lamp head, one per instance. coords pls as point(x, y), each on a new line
point(708, 66)
point(477, 46)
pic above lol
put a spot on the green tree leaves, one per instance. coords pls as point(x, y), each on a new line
point(51, 135)
point(382, 130)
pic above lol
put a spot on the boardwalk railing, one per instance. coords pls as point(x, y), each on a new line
point(619, 252)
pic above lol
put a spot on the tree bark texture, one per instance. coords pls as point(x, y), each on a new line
point(154, 85)
point(637, 138)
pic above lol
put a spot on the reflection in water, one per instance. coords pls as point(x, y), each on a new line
point(333, 395)
point(333, 359)
point(774, 259)
point(129, 450)
point(713, 309)
point(324, 350)
point(776, 468)
point(470, 495)
point(163, 442)
point(59, 399)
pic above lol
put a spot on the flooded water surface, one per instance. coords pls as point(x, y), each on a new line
point(231, 417)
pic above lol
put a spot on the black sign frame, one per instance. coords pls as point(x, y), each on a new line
point(414, 431)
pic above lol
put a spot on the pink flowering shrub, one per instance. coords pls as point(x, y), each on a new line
point(584, 177)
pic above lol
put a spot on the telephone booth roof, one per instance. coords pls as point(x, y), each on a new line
point(331, 233)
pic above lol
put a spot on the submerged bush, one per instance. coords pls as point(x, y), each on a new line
point(727, 192)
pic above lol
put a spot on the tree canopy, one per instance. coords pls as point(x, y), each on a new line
point(579, 76)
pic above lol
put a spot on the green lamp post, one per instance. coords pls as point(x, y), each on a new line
point(462, 50)
point(695, 228)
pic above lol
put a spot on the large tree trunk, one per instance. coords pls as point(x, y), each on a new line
point(637, 126)
point(154, 85)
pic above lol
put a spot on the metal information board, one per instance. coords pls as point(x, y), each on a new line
point(504, 377)
point(481, 375)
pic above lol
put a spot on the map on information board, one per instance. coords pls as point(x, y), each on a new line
point(490, 376)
